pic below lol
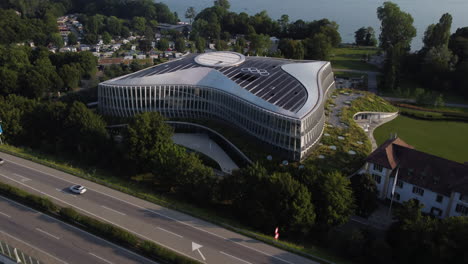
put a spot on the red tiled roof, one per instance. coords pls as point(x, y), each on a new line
point(384, 155)
point(422, 169)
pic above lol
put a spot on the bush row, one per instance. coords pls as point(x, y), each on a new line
point(96, 227)
point(431, 114)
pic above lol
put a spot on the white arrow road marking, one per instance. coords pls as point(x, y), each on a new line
point(197, 247)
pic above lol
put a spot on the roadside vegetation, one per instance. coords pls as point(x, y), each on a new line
point(446, 139)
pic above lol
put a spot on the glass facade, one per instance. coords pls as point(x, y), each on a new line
point(294, 136)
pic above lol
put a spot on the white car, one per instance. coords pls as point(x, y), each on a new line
point(78, 189)
point(1, 161)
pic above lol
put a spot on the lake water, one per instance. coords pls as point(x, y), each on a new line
point(349, 14)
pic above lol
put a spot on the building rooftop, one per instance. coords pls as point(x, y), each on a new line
point(422, 169)
point(280, 85)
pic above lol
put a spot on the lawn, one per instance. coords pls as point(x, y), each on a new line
point(351, 59)
point(442, 138)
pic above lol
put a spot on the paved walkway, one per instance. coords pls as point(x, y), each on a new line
point(379, 219)
point(371, 78)
point(370, 125)
point(202, 143)
point(340, 101)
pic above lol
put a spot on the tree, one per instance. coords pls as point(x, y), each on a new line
point(163, 44)
point(148, 140)
point(259, 44)
point(72, 39)
point(396, 28)
point(114, 26)
point(83, 124)
point(200, 44)
point(438, 35)
point(106, 37)
point(413, 236)
point(317, 48)
point(333, 199)
point(267, 201)
point(365, 192)
point(190, 13)
point(180, 45)
point(365, 37)
point(397, 31)
point(139, 25)
point(56, 39)
point(283, 23)
point(221, 44)
point(222, 3)
point(291, 49)
point(71, 75)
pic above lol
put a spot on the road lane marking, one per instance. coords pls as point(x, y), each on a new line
point(235, 257)
point(80, 230)
point(47, 233)
point(149, 210)
point(23, 179)
point(197, 247)
point(169, 232)
point(102, 218)
point(5, 215)
point(103, 259)
point(48, 254)
point(112, 210)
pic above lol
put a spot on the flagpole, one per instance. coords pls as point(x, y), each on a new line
point(393, 191)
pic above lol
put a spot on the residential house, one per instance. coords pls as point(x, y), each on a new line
point(439, 184)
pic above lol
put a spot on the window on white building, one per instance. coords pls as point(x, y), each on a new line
point(439, 198)
point(377, 178)
point(378, 167)
point(397, 196)
point(461, 209)
point(464, 198)
point(399, 184)
point(418, 191)
point(436, 211)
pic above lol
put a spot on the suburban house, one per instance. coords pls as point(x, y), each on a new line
point(441, 185)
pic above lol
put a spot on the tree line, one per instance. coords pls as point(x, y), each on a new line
point(440, 66)
point(38, 73)
point(300, 39)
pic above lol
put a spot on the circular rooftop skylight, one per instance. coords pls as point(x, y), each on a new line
point(220, 59)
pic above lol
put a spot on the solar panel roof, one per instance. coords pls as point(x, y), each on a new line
point(259, 75)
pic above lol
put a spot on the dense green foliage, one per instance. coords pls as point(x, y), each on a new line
point(397, 31)
point(426, 136)
point(418, 238)
point(218, 23)
point(37, 73)
point(365, 192)
point(365, 37)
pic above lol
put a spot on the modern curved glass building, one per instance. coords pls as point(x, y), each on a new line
point(280, 102)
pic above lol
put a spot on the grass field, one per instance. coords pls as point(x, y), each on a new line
point(442, 138)
point(351, 58)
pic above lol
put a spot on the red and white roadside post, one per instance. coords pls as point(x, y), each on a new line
point(276, 233)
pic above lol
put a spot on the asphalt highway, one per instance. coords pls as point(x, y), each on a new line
point(182, 233)
point(52, 241)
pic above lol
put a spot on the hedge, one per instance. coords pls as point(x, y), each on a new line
point(102, 229)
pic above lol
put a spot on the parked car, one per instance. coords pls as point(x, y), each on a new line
point(78, 189)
